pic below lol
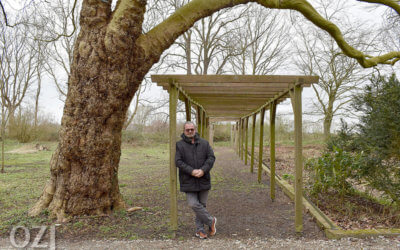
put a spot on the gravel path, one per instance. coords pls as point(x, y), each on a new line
point(252, 243)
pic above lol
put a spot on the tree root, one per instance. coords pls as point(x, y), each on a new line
point(44, 200)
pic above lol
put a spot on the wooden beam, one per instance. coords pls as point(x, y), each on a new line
point(261, 146)
point(298, 183)
point(253, 133)
point(226, 107)
point(234, 85)
point(234, 78)
point(224, 118)
point(173, 100)
point(225, 112)
point(272, 117)
point(254, 94)
point(230, 91)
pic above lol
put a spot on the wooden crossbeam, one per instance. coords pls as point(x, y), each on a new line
point(235, 78)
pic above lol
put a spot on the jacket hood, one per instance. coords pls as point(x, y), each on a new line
point(188, 140)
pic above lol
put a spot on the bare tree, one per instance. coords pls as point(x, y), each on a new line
point(60, 51)
point(18, 72)
point(261, 40)
point(339, 75)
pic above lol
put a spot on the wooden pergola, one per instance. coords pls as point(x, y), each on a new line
point(237, 98)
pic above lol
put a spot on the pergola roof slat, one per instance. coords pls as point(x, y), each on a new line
point(231, 97)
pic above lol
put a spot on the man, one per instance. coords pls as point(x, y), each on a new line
point(195, 158)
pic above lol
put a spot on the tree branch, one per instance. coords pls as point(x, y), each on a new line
point(308, 11)
point(164, 35)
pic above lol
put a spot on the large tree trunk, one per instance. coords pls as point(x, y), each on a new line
point(105, 74)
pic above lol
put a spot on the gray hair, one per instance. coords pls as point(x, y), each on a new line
point(189, 122)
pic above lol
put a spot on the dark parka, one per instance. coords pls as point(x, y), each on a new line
point(191, 156)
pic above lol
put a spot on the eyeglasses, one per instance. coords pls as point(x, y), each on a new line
point(189, 130)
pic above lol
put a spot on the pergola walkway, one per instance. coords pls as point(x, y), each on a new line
point(237, 98)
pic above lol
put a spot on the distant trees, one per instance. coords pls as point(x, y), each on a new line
point(20, 66)
point(260, 42)
point(318, 54)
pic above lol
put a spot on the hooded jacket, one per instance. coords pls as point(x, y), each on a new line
point(191, 156)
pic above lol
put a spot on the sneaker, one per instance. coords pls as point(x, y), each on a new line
point(213, 227)
point(201, 235)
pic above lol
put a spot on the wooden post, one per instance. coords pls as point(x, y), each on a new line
point(260, 152)
point(253, 134)
point(246, 135)
point(242, 140)
point(204, 124)
point(298, 184)
point(173, 99)
point(188, 110)
point(272, 116)
point(237, 137)
point(207, 129)
point(211, 135)
point(232, 138)
point(199, 121)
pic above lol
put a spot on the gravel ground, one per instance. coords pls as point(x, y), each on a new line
point(251, 243)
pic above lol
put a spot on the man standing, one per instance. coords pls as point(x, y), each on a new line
point(195, 158)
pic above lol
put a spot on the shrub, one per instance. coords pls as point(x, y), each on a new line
point(370, 154)
point(334, 170)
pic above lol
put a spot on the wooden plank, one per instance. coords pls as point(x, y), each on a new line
point(230, 85)
point(173, 100)
point(298, 183)
point(261, 147)
point(235, 85)
point(225, 112)
point(225, 118)
point(272, 148)
point(229, 107)
point(234, 101)
point(253, 133)
point(192, 90)
point(234, 78)
point(254, 94)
